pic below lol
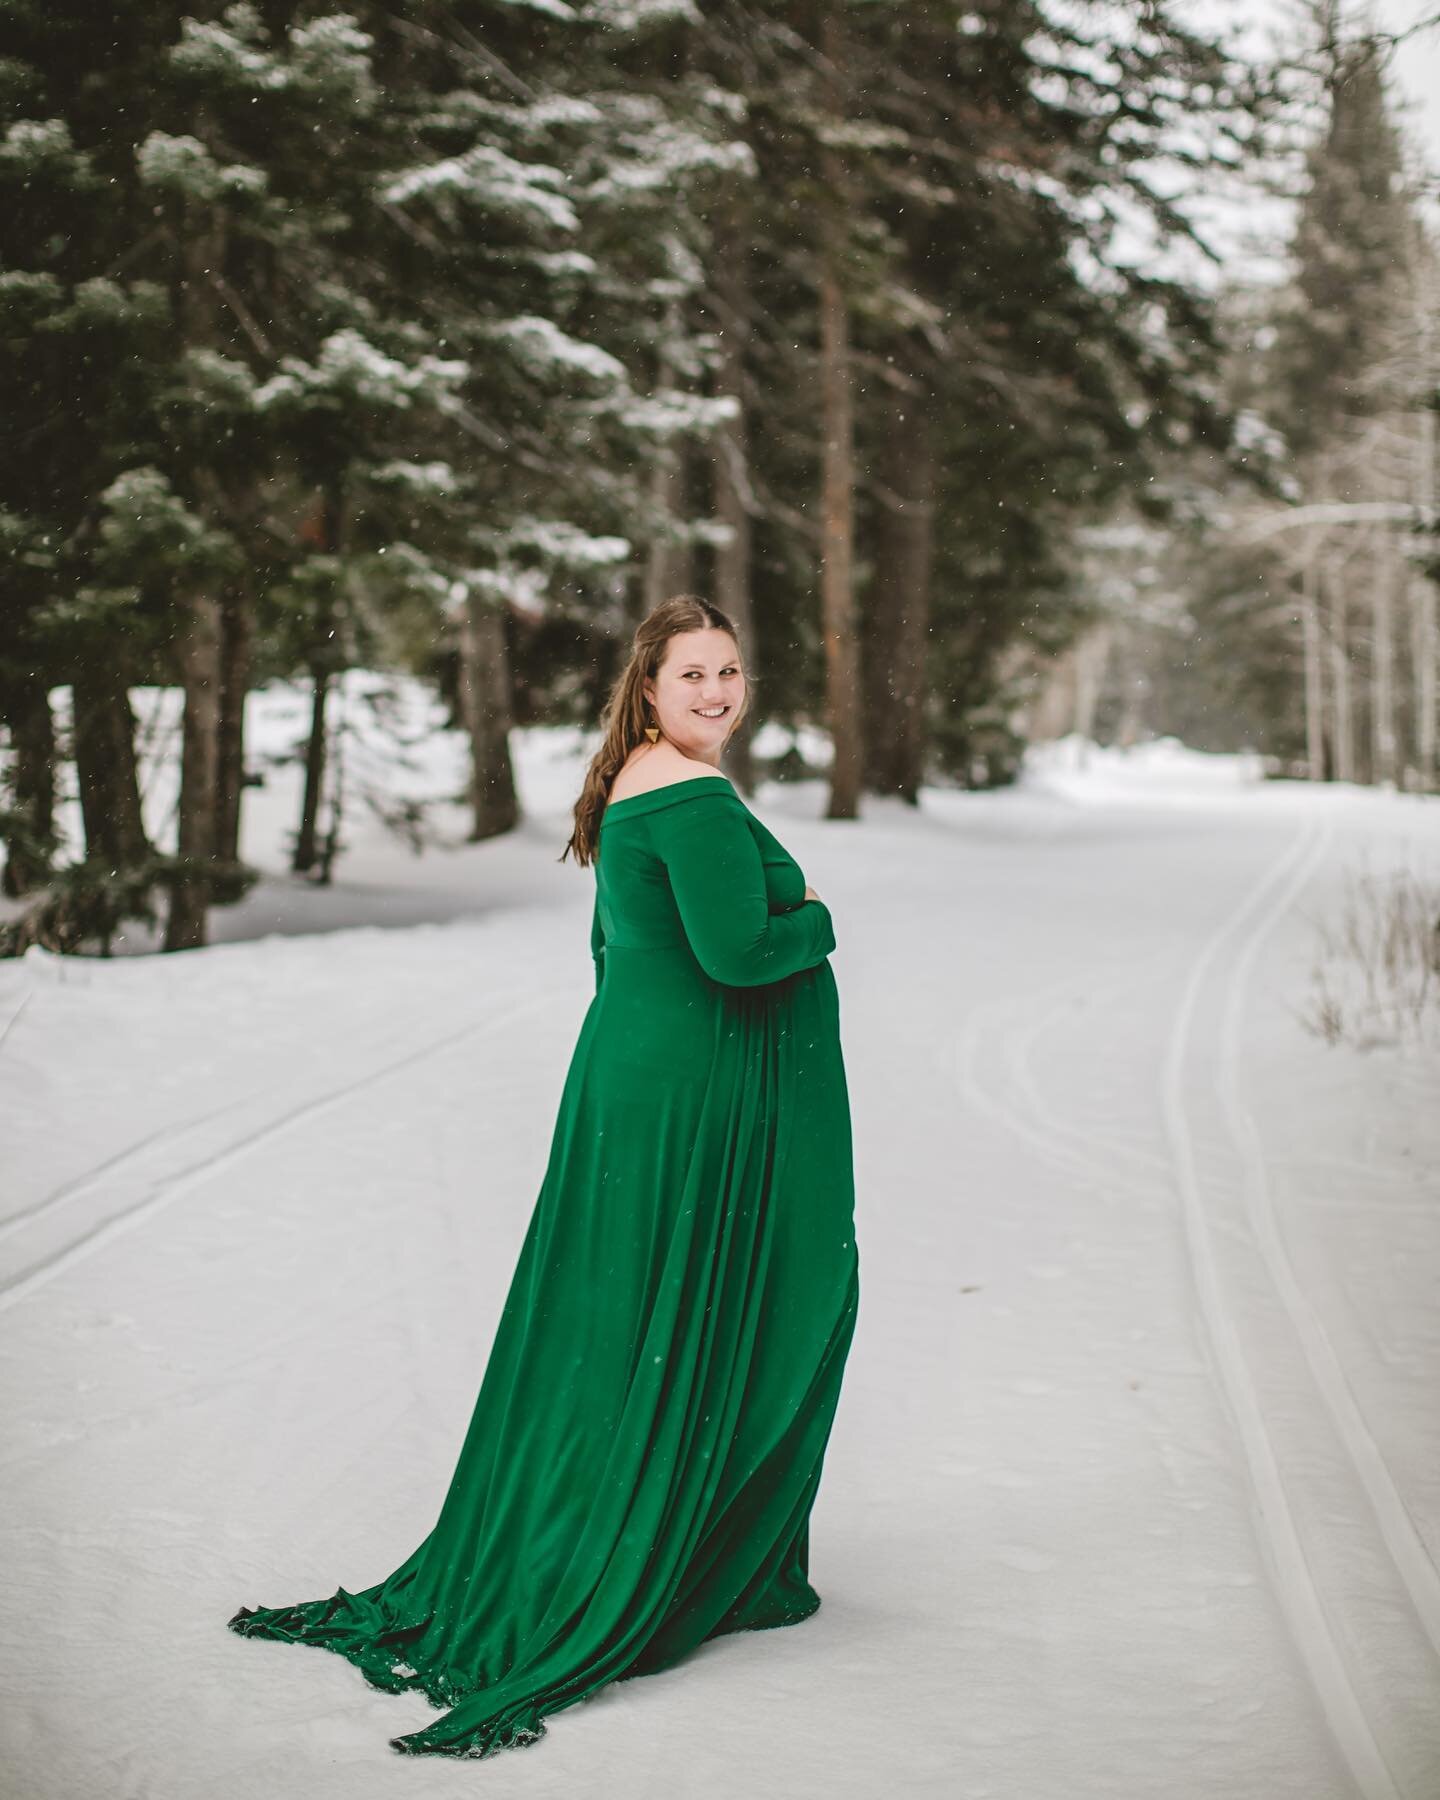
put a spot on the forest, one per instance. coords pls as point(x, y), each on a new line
point(443, 340)
point(1048, 392)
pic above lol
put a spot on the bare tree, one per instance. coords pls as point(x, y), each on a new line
point(731, 490)
point(839, 612)
point(486, 702)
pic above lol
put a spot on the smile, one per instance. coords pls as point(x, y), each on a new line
point(711, 712)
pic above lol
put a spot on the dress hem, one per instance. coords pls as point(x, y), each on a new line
point(398, 1676)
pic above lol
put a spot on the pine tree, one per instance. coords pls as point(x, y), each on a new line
point(354, 337)
point(1350, 252)
point(1349, 384)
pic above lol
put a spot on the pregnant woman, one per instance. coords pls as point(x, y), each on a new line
point(643, 1458)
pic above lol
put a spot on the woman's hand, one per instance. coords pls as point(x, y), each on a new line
point(810, 893)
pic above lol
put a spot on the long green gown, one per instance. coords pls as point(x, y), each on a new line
point(640, 1468)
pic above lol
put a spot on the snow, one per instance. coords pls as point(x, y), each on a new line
point(558, 541)
point(329, 56)
point(1133, 1487)
point(541, 346)
point(34, 142)
point(488, 177)
point(185, 164)
point(664, 154)
point(669, 413)
point(637, 15)
point(349, 364)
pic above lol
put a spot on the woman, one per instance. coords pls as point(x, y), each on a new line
point(645, 1451)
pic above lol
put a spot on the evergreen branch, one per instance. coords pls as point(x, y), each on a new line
point(469, 52)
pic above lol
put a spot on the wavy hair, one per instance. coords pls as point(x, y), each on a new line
point(627, 712)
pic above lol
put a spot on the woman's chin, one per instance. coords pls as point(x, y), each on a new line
point(703, 744)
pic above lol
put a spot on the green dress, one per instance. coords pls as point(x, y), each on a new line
point(643, 1457)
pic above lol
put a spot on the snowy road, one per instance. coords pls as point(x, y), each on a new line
point(1134, 1487)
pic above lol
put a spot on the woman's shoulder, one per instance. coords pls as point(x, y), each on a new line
point(652, 776)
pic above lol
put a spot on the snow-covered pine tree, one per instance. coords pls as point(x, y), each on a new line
point(77, 321)
point(991, 185)
point(549, 197)
point(352, 353)
point(1042, 317)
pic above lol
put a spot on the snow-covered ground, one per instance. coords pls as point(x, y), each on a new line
point(1134, 1487)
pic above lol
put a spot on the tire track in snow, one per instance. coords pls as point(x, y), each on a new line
point(171, 1190)
point(1407, 1551)
point(1299, 1596)
point(80, 1185)
point(10, 1022)
point(1048, 1140)
point(1147, 1166)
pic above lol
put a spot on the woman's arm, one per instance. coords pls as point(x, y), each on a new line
point(784, 878)
point(718, 879)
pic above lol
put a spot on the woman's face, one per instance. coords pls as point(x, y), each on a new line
point(698, 691)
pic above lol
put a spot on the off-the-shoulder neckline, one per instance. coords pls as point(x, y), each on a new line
point(668, 788)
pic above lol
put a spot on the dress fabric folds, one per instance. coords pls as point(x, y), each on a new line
point(640, 1468)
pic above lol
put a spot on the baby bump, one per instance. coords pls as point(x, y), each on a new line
point(659, 1023)
point(814, 1175)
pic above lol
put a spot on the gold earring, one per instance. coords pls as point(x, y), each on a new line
point(652, 732)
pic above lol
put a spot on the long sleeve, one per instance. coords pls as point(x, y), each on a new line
point(718, 878)
point(784, 878)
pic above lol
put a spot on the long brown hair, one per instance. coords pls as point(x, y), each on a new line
point(627, 712)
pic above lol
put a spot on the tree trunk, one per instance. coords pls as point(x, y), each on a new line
point(199, 651)
point(1427, 493)
point(837, 503)
point(1384, 741)
point(306, 839)
point(896, 630)
point(1314, 672)
point(32, 784)
point(485, 692)
point(236, 647)
point(669, 566)
point(1131, 721)
point(731, 490)
point(1344, 721)
point(322, 671)
point(201, 251)
point(105, 772)
point(1427, 681)
point(1050, 707)
point(1092, 662)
